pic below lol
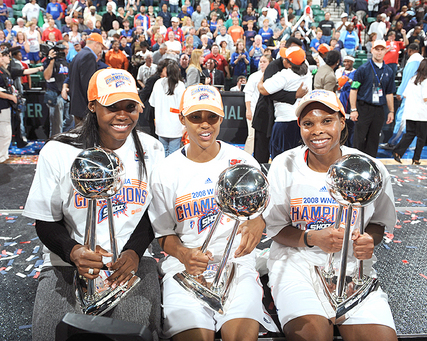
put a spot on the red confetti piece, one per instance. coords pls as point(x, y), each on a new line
point(406, 221)
point(389, 235)
point(37, 274)
point(423, 276)
point(397, 241)
point(264, 234)
point(2, 268)
point(404, 261)
point(399, 199)
point(19, 251)
point(3, 252)
point(157, 260)
point(27, 242)
point(398, 226)
point(10, 218)
point(21, 207)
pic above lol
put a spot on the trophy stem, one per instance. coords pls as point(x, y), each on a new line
point(329, 267)
point(211, 232)
point(113, 240)
point(343, 266)
point(90, 238)
point(358, 279)
point(225, 256)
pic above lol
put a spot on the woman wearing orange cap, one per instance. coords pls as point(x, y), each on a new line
point(300, 219)
point(60, 212)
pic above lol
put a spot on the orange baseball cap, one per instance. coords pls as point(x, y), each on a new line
point(201, 97)
point(98, 38)
point(325, 97)
point(324, 48)
point(294, 54)
point(109, 86)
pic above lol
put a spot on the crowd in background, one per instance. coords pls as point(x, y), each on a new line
point(212, 42)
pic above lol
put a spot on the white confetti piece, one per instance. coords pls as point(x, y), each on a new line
point(6, 238)
point(6, 258)
point(8, 268)
point(28, 267)
point(30, 258)
point(17, 237)
point(265, 240)
point(21, 275)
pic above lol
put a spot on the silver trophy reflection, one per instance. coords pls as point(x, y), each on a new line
point(241, 193)
point(98, 174)
point(353, 181)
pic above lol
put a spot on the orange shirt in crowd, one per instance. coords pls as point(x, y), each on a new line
point(236, 32)
point(116, 60)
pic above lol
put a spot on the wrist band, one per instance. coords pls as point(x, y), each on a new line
point(305, 239)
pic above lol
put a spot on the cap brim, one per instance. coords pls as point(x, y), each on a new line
point(117, 97)
point(207, 107)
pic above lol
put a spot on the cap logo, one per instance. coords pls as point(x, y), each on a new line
point(317, 93)
point(203, 97)
point(202, 88)
point(119, 78)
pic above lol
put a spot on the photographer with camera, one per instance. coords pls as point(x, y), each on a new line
point(55, 73)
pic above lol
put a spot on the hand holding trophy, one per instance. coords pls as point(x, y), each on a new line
point(98, 174)
point(354, 181)
point(241, 193)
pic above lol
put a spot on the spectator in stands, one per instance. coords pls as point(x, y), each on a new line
point(55, 9)
point(165, 100)
point(372, 88)
point(216, 76)
point(328, 27)
point(194, 71)
point(31, 10)
point(174, 46)
point(222, 63)
point(265, 32)
point(196, 40)
point(160, 53)
point(215, 7)
point(314, 44)
point(263, 17)
point(241, 82)
point(361, 9)
point(350, 40)
point(165, 14)
point(51, 29)
point(108, 18)
point(239, 61)
point(256, 52)
point(213, 24)
point(404, 17)
point(379, 27)
point(83, 66)
point(115, 29)
point(249, 35)
point(394, 47)
point(91, 15)
point(34, 40)
point(74, 35)
point(224, 51)
point(198, 16)
point(285, 134)
point(417, 38)
point(116, 58)
point(179, 35)
point(223, 36)
point(183, 14)
point(273, 43)
point(146, 71)
point(23, 44)
point(235, 31)
point(248, 14)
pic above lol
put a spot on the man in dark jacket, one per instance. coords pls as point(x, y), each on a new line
point(83, 66)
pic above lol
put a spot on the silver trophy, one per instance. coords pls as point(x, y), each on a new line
point(241, 193)
point(98, 174)
point(353, 181)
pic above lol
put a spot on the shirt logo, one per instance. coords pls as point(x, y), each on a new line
point(323, 189)
point(208, 181)
point(207, 220)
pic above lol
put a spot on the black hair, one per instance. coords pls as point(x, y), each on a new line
point(162, 64)
point(319, 105)
point(421, 74)
point(86, 135)
point(414, 47)
point(332, 57)
point(173, 74)
point(300, 70)
point(293, 40)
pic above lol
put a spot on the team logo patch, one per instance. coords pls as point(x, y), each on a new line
point(119, 83)
point(192, 224)
point(319, 224)
point(118, 207)
point(207, 220)
point(203, 97)
point(233, 162)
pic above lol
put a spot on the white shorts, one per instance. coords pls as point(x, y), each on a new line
point(294, 293)
point(181, 311)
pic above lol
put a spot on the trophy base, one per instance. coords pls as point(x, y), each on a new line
point(353, 295)
point(104, 299)
point(213, 298)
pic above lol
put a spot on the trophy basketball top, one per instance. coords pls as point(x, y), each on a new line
point(354, 180)
point(97, 173)
point(242, 192)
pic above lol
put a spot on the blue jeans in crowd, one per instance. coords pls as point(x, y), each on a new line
point(174, 8)
point(170, 144)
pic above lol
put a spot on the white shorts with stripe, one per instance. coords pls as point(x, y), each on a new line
point(181, 311)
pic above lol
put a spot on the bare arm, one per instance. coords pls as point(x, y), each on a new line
point(390, 104)
point(353, 99)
